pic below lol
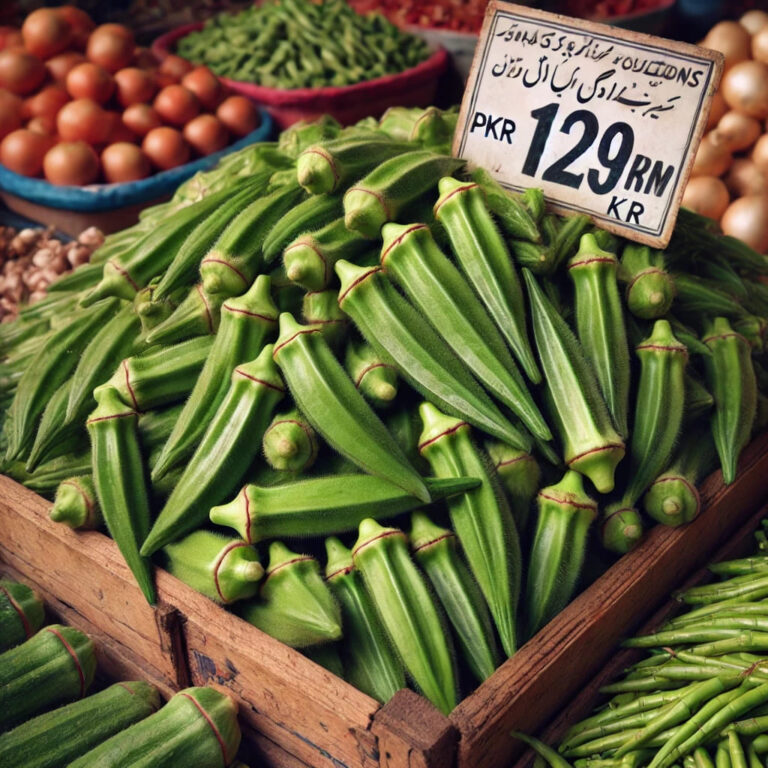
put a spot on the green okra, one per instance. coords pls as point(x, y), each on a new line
point(231, 442)
point(404, 425)
point(119, 476)
point(335, 164)
point(309, 215)
point(371, 664)
point(223, 568)
point(132, 269)
point(155, 426)
point(398, 122)
point(434, 129)
point(199, 314)
point(520, 474)
point(13, 334)
point(591, 445)
point(76, 504)
point(407, 611)
point(109, 345)
point(162, 375)
point(486, 262)
point(696, 295)
point(382, 194)
point(549, 755)
point(198, 726)
point(731, 379)
point(329, 400)
point(290, 442)
point(434, 548)
point(152, 311)
point(183, 269)
point(295, 605)
point(402, 337)
point(659, 408)
point(80, 279)
point(310, 258)
point(305, 133)
point(480, 517)
point(247, 322)
point(319, 506)
point(621, 528)
point(600, 325)
point(46, 477)
point(565, 514)
point(508, 208)
point(754, 330)
point(322, 309)
point(21, 613)
point(698, 399)
point(411, 256)
point(650, 288)
point(567, 235)
point(235, 259)
point(52, 306)
point(375, 379)
point(54, 365)
point(54, 666)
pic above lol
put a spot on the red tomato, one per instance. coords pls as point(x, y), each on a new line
point(205, 85)
point(59, 66)
point(90, 81)
point(43, 124)
point(141, 119)
point(80, 23)
point(10, 112)
point(134, 86)
point(10, 37)
point(22, 151)
point(45, 103)
point(20, 71)
point(83, 120)
point(176, 105)
point(111, 46)
point(124, 162)
point(165, 147)
point(71, 163)
point(118, 130)
point(207, 134)
point(144, 58)
point(46, 32)
point(239, 115)
point(175, 66)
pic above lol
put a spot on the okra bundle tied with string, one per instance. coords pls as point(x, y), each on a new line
point(700, 698)
point(332, 330)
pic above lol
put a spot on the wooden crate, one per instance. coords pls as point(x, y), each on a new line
point(300, 715)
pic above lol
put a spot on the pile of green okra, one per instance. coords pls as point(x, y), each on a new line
point(700, 699)
point(327, 332)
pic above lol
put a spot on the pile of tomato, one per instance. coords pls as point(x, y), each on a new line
point(81, 104)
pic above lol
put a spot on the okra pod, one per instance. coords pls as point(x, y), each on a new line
point(290, 442)
point(376, 380)
point(198, 314)
point(520, 474)
point(76, 503)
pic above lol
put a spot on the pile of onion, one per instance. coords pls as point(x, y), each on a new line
point(729, 181)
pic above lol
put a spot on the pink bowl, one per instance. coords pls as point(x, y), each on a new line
point(415, 87)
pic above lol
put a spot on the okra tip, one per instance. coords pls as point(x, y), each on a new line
point(364, 211)
point(339, 557)
point(425, 533)
point(622, 528)
point(315, 171)
point(435, 424)
point(368, 532)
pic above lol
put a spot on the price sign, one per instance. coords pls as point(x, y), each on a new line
point(606, 121)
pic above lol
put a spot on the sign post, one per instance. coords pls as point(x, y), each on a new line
point(606, 121)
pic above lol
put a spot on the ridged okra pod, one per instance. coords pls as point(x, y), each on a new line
point(79, 279)
point(486, 262)
point(152, 311)
point(672, 498)
point(402, 337)
point(375, 379)
point(565, 514)
point(480, 518)
point(290, 442)
point(331, 403)
point(310, 258)
point(591, 445)
point(197, 727)
point(54, 666)
point(161, 375)
point(731, 379)
point(659, 408)
point(697, 295)
point(110, 344)
point(407, 611)
point(230, 444)
point(21, 613)
point(621, 528)
point(155, 426)
point(698, 400)
point(236, 257)
point(371, 664)
point(600, 325)
point(434, 548)
point(199, 314)
point(119, 476)
point(247, 322)
point(46, 478)
point(381, 196)
point(55, 738)
point(321, 308)
point(223, 568)
point(319, 506)
point(335, 164)
point(650, 288)
point(53, 366)
point(295, 605)
point(513, 216)
point(411, 256)
point(520, 475)
point(754, 330)
point(76, 504)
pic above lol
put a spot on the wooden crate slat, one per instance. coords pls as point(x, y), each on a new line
point(547, 671)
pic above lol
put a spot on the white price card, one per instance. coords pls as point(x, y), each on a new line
point(606, 121)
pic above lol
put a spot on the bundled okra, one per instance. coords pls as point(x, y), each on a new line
point(254, 385)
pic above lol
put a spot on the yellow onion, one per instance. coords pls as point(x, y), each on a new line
point(753, 21)
point(737, 131)
point(760, 45)
point(731, 39)
point(706, 195)
point(745, 178)
point(711, 159)
point(717, 110)
point(745, 87)
point(760, 153)
point(747, 219)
